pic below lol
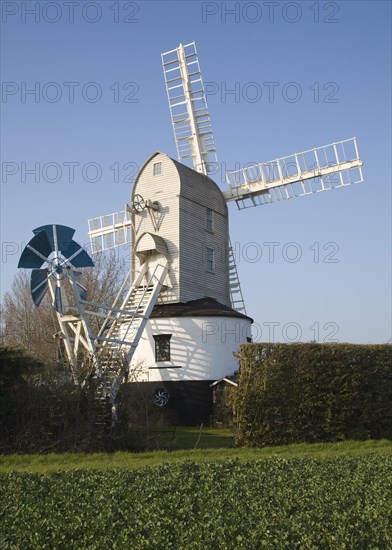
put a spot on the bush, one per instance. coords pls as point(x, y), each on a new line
point(41, 410)
point(292, 393)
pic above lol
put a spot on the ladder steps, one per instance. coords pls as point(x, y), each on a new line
point(234, 283)
point(121, 339)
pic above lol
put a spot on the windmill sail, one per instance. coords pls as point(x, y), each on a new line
point(38, 285)
point(320, 169)
point(109, 231)
point(188, 107)
point(36, 252)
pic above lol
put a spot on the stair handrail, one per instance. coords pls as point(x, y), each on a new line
point(149, 282)
point(140, 274)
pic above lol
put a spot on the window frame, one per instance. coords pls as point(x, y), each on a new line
point(155, 167)
point(209, 219)
point(210, 260)
point(162, 355)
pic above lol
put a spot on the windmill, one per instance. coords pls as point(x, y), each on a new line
point(180, 312)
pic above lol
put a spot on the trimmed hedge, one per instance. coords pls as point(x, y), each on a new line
point(292, 393)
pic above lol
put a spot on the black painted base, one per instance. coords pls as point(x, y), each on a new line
point(188, 403)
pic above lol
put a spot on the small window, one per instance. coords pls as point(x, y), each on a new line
point(209, 219)
point(157, 168)
point(210, 260)
point(162, 347)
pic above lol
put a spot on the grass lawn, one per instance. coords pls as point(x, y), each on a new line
point(180, 438)
point(219, 448)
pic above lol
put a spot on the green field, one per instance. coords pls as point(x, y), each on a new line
point(47, 463)
point(301, 496)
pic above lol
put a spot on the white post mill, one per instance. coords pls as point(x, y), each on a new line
point(180, 315)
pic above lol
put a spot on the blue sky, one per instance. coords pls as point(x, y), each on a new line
point(337, 54)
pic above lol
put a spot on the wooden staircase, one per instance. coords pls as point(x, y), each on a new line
point(120, 335)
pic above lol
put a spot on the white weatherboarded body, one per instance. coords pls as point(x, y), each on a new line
point(182, 197)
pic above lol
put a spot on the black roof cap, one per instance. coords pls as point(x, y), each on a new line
point(203, 307)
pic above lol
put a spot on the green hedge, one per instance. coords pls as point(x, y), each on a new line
point(291, 393)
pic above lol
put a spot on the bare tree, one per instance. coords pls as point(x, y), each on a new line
point(25, 326)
